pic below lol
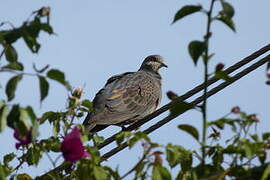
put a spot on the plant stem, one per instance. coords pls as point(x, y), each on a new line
point(206, 55)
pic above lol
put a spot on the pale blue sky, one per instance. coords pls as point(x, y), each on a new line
point(99, 38)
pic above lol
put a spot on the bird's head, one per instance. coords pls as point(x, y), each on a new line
point(153, 63)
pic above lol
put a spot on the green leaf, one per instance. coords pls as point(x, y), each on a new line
point(160, 173)
point(100, 173)
point(227, 9)
point(24, 118)
point(122, 136)
point(14, 66)
point(10, 53)
point(31, 113)
point(266, 173)
point(58, 76)
point(186, 10)
point(12, 36)
point(31, 42)
point(13, 116)
point(11, 86)
point(3, 117)
point(178, 154)
point(196, 49)
point(98, 140)
point(223, 75)
point(33, 155)
point(227, 21)
point(43, 87)
point(190, 130)
point(88, 104)
point(47, 28)
point(2, 172)
point(9, 157)
point(265, 136)
point(1, 37)
point(180, 107)
point(137, 136)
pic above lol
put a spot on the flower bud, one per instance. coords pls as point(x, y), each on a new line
point(254, 117)
point(236, 110)
point(77, 92)
point(219, 67)
point(171, 95)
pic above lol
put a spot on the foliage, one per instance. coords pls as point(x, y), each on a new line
point(233, 157)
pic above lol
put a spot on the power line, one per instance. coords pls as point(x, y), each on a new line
point(195, 102)
point(187, 95)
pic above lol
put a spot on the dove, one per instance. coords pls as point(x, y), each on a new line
point(127, 97)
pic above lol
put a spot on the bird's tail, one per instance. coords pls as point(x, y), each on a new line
point(88, 124)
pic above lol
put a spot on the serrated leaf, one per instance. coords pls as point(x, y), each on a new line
point(227, 21)
point(11, 53)
point(43, 87)
point(3, 117)
point(223, 75)
point(185, 11)
point(180, 107)
point(190, 130)
point(227, 9)
point(196, 49)
point(12, 85)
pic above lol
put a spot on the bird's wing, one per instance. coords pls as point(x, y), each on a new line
point(124, 97)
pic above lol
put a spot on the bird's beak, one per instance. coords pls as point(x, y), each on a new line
point(164, 65)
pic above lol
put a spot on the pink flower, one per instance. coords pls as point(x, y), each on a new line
point(23, 139)
point(72, 146)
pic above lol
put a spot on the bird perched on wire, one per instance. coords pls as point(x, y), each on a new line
point(128, 97)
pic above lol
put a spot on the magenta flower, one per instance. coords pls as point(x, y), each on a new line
point(23, 139)
point(72, 146)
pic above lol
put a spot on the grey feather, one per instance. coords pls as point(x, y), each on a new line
point(127, 97)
